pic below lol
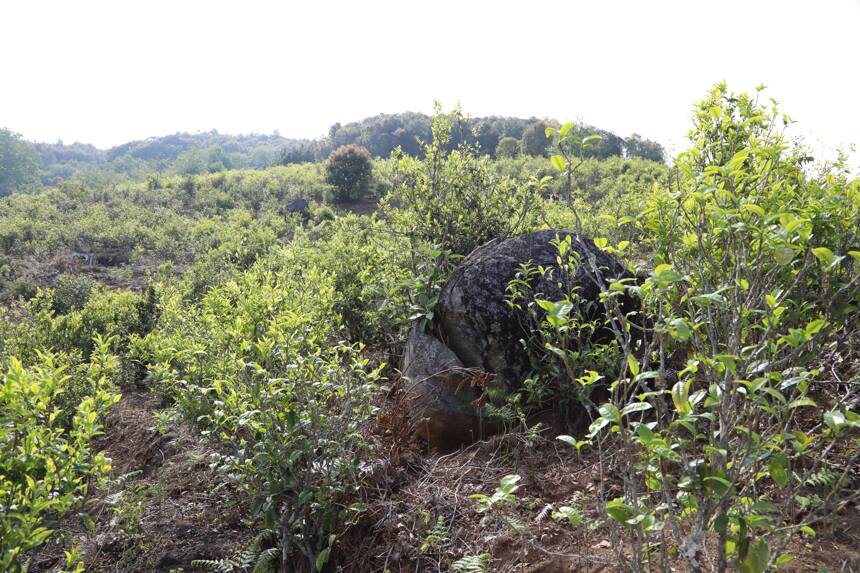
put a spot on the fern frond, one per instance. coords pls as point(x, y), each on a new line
point(226, 565)
point(824, 477)
point(267, 561)
point(253, 558)
point(471, 564)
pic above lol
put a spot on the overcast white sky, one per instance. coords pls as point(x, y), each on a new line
point(108, 72)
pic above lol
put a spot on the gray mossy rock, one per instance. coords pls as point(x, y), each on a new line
point(440, 392)
point(299, 205)
point(474, 320)
point(475, 328)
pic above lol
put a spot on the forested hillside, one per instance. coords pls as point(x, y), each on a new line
point(384, 133)
point(180, 153)
point(212, 152)
point(205, 361)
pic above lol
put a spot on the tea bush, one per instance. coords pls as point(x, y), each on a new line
point(368, 266)
point(256, 363)
point(455, 200)
point(721, 413)
point(46, 460)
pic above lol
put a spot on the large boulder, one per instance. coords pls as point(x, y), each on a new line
point(475, 331)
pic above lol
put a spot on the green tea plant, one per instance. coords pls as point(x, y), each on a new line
point(257, 365)
point(431, 266)
point(71, 292)
point(720, 415)
point(304, 458)
point(368, 267)
point(572, 146)
point(568, 349)
point(454, 199)
point(446, 204)
point(46, 465)
point(504, 494)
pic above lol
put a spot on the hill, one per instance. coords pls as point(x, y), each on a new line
point(383, 133)
point(181, 153)
point(211, 152)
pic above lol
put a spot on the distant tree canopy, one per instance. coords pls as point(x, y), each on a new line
point(349, 170)
point(198, 161)
point(384, 133)
point(507, 147)
point(184, 153)
point(19, 164)
point(636, 146)
point(534, 141)
point(210, 152)
point(304, 153)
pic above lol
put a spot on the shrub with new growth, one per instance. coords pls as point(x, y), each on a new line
point(720, 415)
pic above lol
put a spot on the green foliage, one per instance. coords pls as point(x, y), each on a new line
point(571, 515)
point(46, 460)
point(437, 538)
point(198, 161)
point(607, 194)
point(256, 364)
point(182, 153)
point(256, 558)
point(385, 133)
point(507, 147)
point(454, 199)
point(71, 292)
point(252, 319)
point(368, 269)
point(161, 226)
point(636, 146)
point(567, 344)
point(572, 145)
point(751, 277)
point(534, 141)
point(211, 152)
point(471, 563)
point(504, 494)
point(430, 268)
point(19, 164)
point(349, 170)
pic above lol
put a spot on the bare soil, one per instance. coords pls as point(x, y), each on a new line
point(162, 506)
point(426, 488)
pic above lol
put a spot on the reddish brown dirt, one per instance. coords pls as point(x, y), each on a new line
point(172, 508)
point(162, 506)
point(411, 498)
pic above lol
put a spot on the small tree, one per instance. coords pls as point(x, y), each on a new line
point(507, 147)
point(349, 169)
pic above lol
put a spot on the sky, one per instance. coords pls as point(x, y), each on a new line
point(114, 71)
